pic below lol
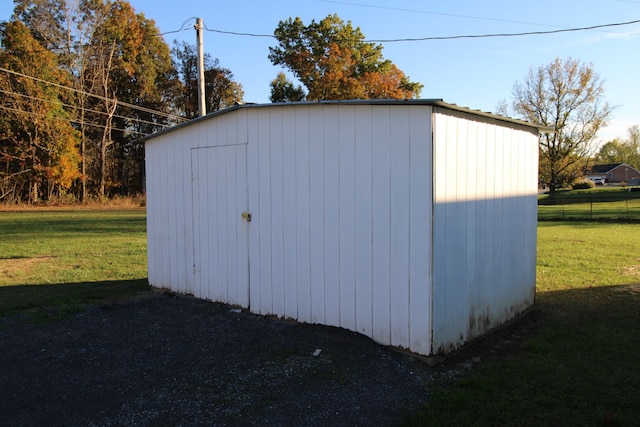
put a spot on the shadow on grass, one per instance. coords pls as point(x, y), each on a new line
point(39, 223)
point(578, 363)
point(67, 296)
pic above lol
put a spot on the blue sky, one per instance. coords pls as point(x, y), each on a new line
point(475, 73)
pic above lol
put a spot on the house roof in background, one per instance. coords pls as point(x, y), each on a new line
point(606, 168)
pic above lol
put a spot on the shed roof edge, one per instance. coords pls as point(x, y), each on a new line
point(437, 102)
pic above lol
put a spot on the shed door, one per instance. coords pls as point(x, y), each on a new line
point(220, 230)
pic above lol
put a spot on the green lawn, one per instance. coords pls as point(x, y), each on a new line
point(593, 204)
point(579, 366)
point(88, 255)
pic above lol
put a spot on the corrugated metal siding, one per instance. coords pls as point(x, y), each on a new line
point(484, 226)
point(330, 188)
point(348, 201)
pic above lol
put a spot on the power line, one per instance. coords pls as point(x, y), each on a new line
point(103, 98)
point(16, 110)
point(78, 108)
point(528, 33)
point(234, 33)
point(182, 27)
point(482, 18)
point(467, 36)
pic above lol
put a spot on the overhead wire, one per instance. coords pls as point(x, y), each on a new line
point(78, 108)
point(453, 15)
point(31, 113)
point(182, 27)
point(527, 33)
point(103, 98)
point(234, 33)
point(467, 36)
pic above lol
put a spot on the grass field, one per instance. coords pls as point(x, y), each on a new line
point(593, 204)
point(88, 255)
point(579, 367)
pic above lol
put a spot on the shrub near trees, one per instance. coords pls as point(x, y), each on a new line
point(81, 83)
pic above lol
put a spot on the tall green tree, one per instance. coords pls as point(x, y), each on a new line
point(221, 90)
point(283, 90)
point(622, 151)
point(567, 97)
point(45, 20)
point(633, 142)
point(333, 61)
point(38, 144)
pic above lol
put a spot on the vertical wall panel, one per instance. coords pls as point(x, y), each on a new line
point(364, 220)
point(302, 214)
point(153, 161)
point(265, 297)
point(199, 194)
point(439, 247)
point(420, 237)
point(211, 233)
point(399, 123)
point(233, 218)
point(253, 192)
point(331, 216)
point(492, 285)
point(473, 293)
point(187, 213)
point(316, 211)
point(171, 222)
point(242, 227)
point(277, 211)
point(499, 201)
point(381, 226)
point(218, 278)
point(482, 277)
point(347, 219)
point(290, 284)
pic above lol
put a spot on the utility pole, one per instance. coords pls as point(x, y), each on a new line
point(202, 108)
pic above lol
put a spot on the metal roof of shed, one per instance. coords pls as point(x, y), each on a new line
point(432, 102)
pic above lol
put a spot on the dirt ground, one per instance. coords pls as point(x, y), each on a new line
point(171, 360)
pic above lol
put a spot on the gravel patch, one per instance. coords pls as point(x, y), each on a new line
point(171, 360)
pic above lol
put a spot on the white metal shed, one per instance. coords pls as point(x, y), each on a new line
point(412, 222)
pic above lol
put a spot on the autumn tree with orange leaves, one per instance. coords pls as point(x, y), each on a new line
point(38, 145)
point(332, 60)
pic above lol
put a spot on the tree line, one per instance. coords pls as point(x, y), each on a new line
point(83, 80)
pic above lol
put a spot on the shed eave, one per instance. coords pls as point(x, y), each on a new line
point(436, 102)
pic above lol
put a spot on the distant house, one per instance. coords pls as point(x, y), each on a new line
point(614, 172)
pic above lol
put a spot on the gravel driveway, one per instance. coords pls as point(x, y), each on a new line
point(176, 360)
